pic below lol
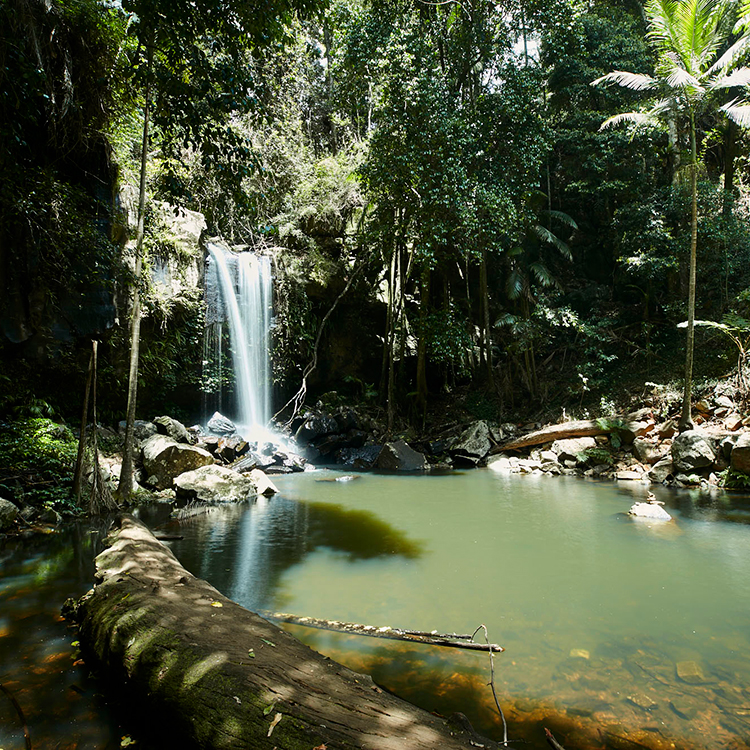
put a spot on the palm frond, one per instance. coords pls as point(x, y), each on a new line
point(679, 78)
point(639, 119)
point(738, 112)
point(563, 218)
point(514, 284)
point(739, 77)
point(634, 81)
point(551, 238)
point(731, 56)
point(543, 275)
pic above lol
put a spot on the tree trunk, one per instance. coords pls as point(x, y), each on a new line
point(422, 344)
point(214, 675)
point(487, 344)
point(82, 436)
point(730, 152)
point(685, 416)
point(125, 486)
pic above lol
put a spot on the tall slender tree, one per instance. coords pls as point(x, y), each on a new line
point(696, 57)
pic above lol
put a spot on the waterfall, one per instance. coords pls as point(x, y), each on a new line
point(239, 292)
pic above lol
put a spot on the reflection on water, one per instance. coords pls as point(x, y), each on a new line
point(37, 661)
point(618, 634)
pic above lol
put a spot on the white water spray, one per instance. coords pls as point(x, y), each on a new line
point(246, 292)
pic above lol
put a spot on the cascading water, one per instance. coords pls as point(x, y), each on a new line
point(239, 291)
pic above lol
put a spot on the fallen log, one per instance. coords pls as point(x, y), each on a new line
point(631, 423)
point(449, 640)
point(221, 677)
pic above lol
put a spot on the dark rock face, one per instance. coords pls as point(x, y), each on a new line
point(220, 425)
point(740, 456)
point(399, 456)
point(8, 514)
point(174, 429)
point(316, 425)
point(141, 429)
point(692, 450)
point(363, 458)
point(474, 443)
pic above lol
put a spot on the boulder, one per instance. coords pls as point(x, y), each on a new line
point(662, 470)
point(316, 425)
point(142, 430)
point(231, 447)
point(399, 456)
point(474, 442)
point(691, 451)
point(740, 456)
point(8, 514)
point(363, 458)
point(174, 429)
point(164, 459)
point(652, 511)
point(263, 485)
point(569, 449)
point(637, 424)
point(724, 401)
point(733, 422)
point(215, 484)
point(647, 452)
point(220, 425)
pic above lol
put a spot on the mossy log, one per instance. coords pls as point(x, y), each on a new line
point(219, 676)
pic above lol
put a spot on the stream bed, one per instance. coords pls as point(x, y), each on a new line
point(618, 633)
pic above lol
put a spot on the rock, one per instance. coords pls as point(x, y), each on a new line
point(629, 476)
point(569, 449)
point(174, 429)
point(667, 429)
point(363, 458)
point(220, 425)
point(548, 456)
point(733, 422)
point(580, 653)
point(690, 672)
point(662, 470)
point(347, 419)
point(142, 430)
point(740, 455)
point(501, 463)
point(316, 425)
point(263, 485)
point(692, 450)
point(8, 514)
point(399, 456)
point(164, 459)
point(724, 401)
point(683, 707)
point(231, 447)
point(703, 406)
point(474, 442)
point(642, 701)
point(652, 511)
point(647, 452)
point(215, 484)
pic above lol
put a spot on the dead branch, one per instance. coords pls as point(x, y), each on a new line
point(19, 711)
point(492, 682)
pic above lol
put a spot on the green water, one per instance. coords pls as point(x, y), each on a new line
point(596, 611)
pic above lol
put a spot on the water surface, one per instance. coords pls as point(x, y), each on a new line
point(618, 633)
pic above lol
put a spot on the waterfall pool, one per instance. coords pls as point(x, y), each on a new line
point(618, 633)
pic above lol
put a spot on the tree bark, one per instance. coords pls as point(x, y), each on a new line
point(82, 437)
point(216, 675)
point(686, 421)
point(125, 486)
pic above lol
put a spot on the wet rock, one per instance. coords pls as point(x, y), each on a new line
point(740, 455)
point(363, 458)
point(662, 471)
point(316, 425)
point(215, 484)
point(690, 672)
point(642, 701)
point(683, 707)
point(347, 419)
point(652, 511)
point(569, 449)
point(399, 456)
point(8, 514)
point(220, 425)
point(142, 430)
point(263, 485)
point(174, 429)
point(580, 653)
point(474, 443)
point(231, 447)
point(250, 461)
point(691, 450)
point(276, 469)
point(164, 459)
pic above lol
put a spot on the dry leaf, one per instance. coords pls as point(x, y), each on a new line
point(216, 604)
point(276, 720)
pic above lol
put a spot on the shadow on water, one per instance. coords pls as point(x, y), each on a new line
point(245, 549)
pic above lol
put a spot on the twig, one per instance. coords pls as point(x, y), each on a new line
point(492, 682)
point(19, 711)
point(449, 640)
point(552, 741)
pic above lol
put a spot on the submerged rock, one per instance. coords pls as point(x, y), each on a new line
point(215, 484)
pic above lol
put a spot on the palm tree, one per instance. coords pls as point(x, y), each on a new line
point(695, 59)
